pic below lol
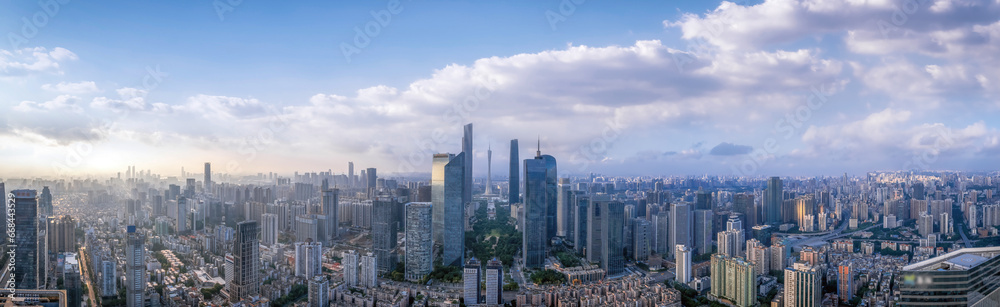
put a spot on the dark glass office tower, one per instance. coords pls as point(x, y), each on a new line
point(580, 202)
point(25, 238)
point(467, 162)
point(551, 197)
point(330, 208)
point(453, 221)
point(773, 197)
point(535, 205)
point(514, 186)
point(384, 233)
point(613, 223)
point(45, 202)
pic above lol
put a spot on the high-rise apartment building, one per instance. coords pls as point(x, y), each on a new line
point(135, 268)
point(308, 259)
point(419, 244)
point(682, 257)
point(734, 280)
point(368, 271)
point(319, 292)
point(350, 261)
point(803, 286)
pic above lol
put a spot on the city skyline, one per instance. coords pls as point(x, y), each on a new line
point(824, 93)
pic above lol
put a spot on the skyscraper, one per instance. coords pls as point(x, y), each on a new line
point(534, 218)
point(419, 244)
point(596, 213)
point(732, 240)
point(773, 198)
point(804, 205)
point(845, 283)
point(744, 203)
point(803, 286)
point(208, 177)
point(269, 229)
point(734, 280)
point(467, 166)
point(330, 208)
point(109, 279)
point(471, 278)
point(438, 192)
point(551, 196)
point(182, 210)
point(371, 177)
point(703, 231)
point(319, 292)
point(45, 203)
point(453, 211)
point(494, 282)
point(368, 273)
point(514, 186)
point(350, 261)
point(308, 259)
point(351, 181)
point(642, 233)
point(135, 268)
point(384, 233)
point(580, 204)
point(680, 224)
point(246, 256)
point(612, 258)
point(564, 213)
point(682, 256)
point(25, 204)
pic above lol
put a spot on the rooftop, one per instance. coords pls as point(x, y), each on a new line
point(960, 260)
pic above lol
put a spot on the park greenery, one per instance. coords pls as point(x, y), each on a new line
point(297, 293)
point(448, 274)
point(548, 277)
point(568, 259)
point(494, 238)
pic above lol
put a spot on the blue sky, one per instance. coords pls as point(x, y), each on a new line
point(636, 88)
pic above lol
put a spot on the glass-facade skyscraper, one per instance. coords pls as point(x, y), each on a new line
point(25, 237)
point(453, 212)
point(384, 233)
point(773, 198)
point(514, 186)
point(466, 166)
point(533, 226)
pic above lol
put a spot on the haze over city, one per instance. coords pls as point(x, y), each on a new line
point(648, 88)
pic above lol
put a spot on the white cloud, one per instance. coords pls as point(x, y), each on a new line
point(78, 88)
point(61, 102)
point(28, 61)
